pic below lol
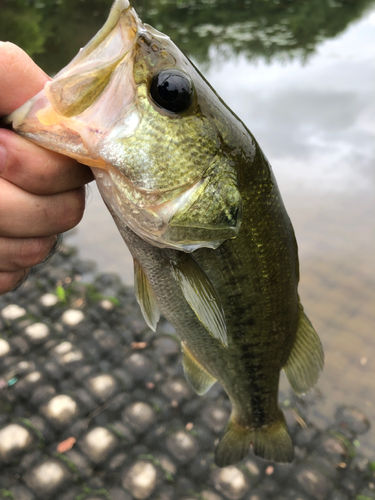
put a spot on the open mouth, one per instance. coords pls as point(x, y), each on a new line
point(78, 108)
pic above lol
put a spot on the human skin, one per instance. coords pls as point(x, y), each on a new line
point(42, 194)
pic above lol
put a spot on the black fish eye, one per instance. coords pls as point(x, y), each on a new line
point(172, 90)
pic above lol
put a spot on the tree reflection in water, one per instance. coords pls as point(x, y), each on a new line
point(52, 30)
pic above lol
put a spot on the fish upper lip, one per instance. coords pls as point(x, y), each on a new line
point(116, 12)
point(114, 51)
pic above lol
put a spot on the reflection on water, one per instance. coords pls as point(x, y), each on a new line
point(51, 30)
point(313, 118)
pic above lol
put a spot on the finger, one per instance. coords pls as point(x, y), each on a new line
point(12, 280)
point(26, 215)
point(37, 170)
point(18, 254)
point(20, 78)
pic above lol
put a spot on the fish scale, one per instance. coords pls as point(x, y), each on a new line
point(146, 162)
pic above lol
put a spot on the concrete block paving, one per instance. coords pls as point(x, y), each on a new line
point(95, 406)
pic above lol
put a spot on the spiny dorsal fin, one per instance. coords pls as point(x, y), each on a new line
point(145, 297)
point(195, 373)
point(306, 359)
point(201, 296)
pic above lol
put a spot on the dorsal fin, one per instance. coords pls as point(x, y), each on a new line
point(145, 297)
point(306, 359)
point(201, 296)
point(195, 373)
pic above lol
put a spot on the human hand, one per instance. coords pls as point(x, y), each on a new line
point(42, 193)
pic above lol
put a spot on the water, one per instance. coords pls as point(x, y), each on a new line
point(308, 97)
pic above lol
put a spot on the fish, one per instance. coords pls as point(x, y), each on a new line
point(197, 204)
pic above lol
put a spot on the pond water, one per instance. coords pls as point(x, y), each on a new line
point(301, 76)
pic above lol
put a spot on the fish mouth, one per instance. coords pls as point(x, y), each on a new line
point(67, 115)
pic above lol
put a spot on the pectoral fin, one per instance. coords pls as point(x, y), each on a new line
point(201, 296)
point(198, 377)
point(213, 210)
point(145, 297)
point(306, 359)
point(215, 204)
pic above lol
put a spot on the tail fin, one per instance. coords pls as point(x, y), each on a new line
point(234, 445)
point(271, 442)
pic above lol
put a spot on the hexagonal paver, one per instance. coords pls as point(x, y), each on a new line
point(47, 478)
point(313, 481)
point(182, 445)
point(14, 439)
point(13, 311)
point(102, 386)
point(231, 482)
point(37, 332)
point(141, 416)
point(61, 410)
point(72, 317)
point(49, 299)
point(98, 443)
point(215, 417)
point(4, 347)
point(139, 365)
point(141, 479)
point(176, 389)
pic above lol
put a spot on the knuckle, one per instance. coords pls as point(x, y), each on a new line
point(36, 250)
point(11, 280)
point(74, 208)
point(18, 254)
point(27, 252)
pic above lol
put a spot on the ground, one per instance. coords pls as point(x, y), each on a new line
point(94, 405)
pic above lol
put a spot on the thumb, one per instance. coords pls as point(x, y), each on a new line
point(20, 77)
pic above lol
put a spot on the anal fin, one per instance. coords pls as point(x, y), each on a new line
point(198, 376)
point(306, 359)
point(145, 297)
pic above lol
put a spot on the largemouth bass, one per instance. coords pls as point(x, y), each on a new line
point(196, 202)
